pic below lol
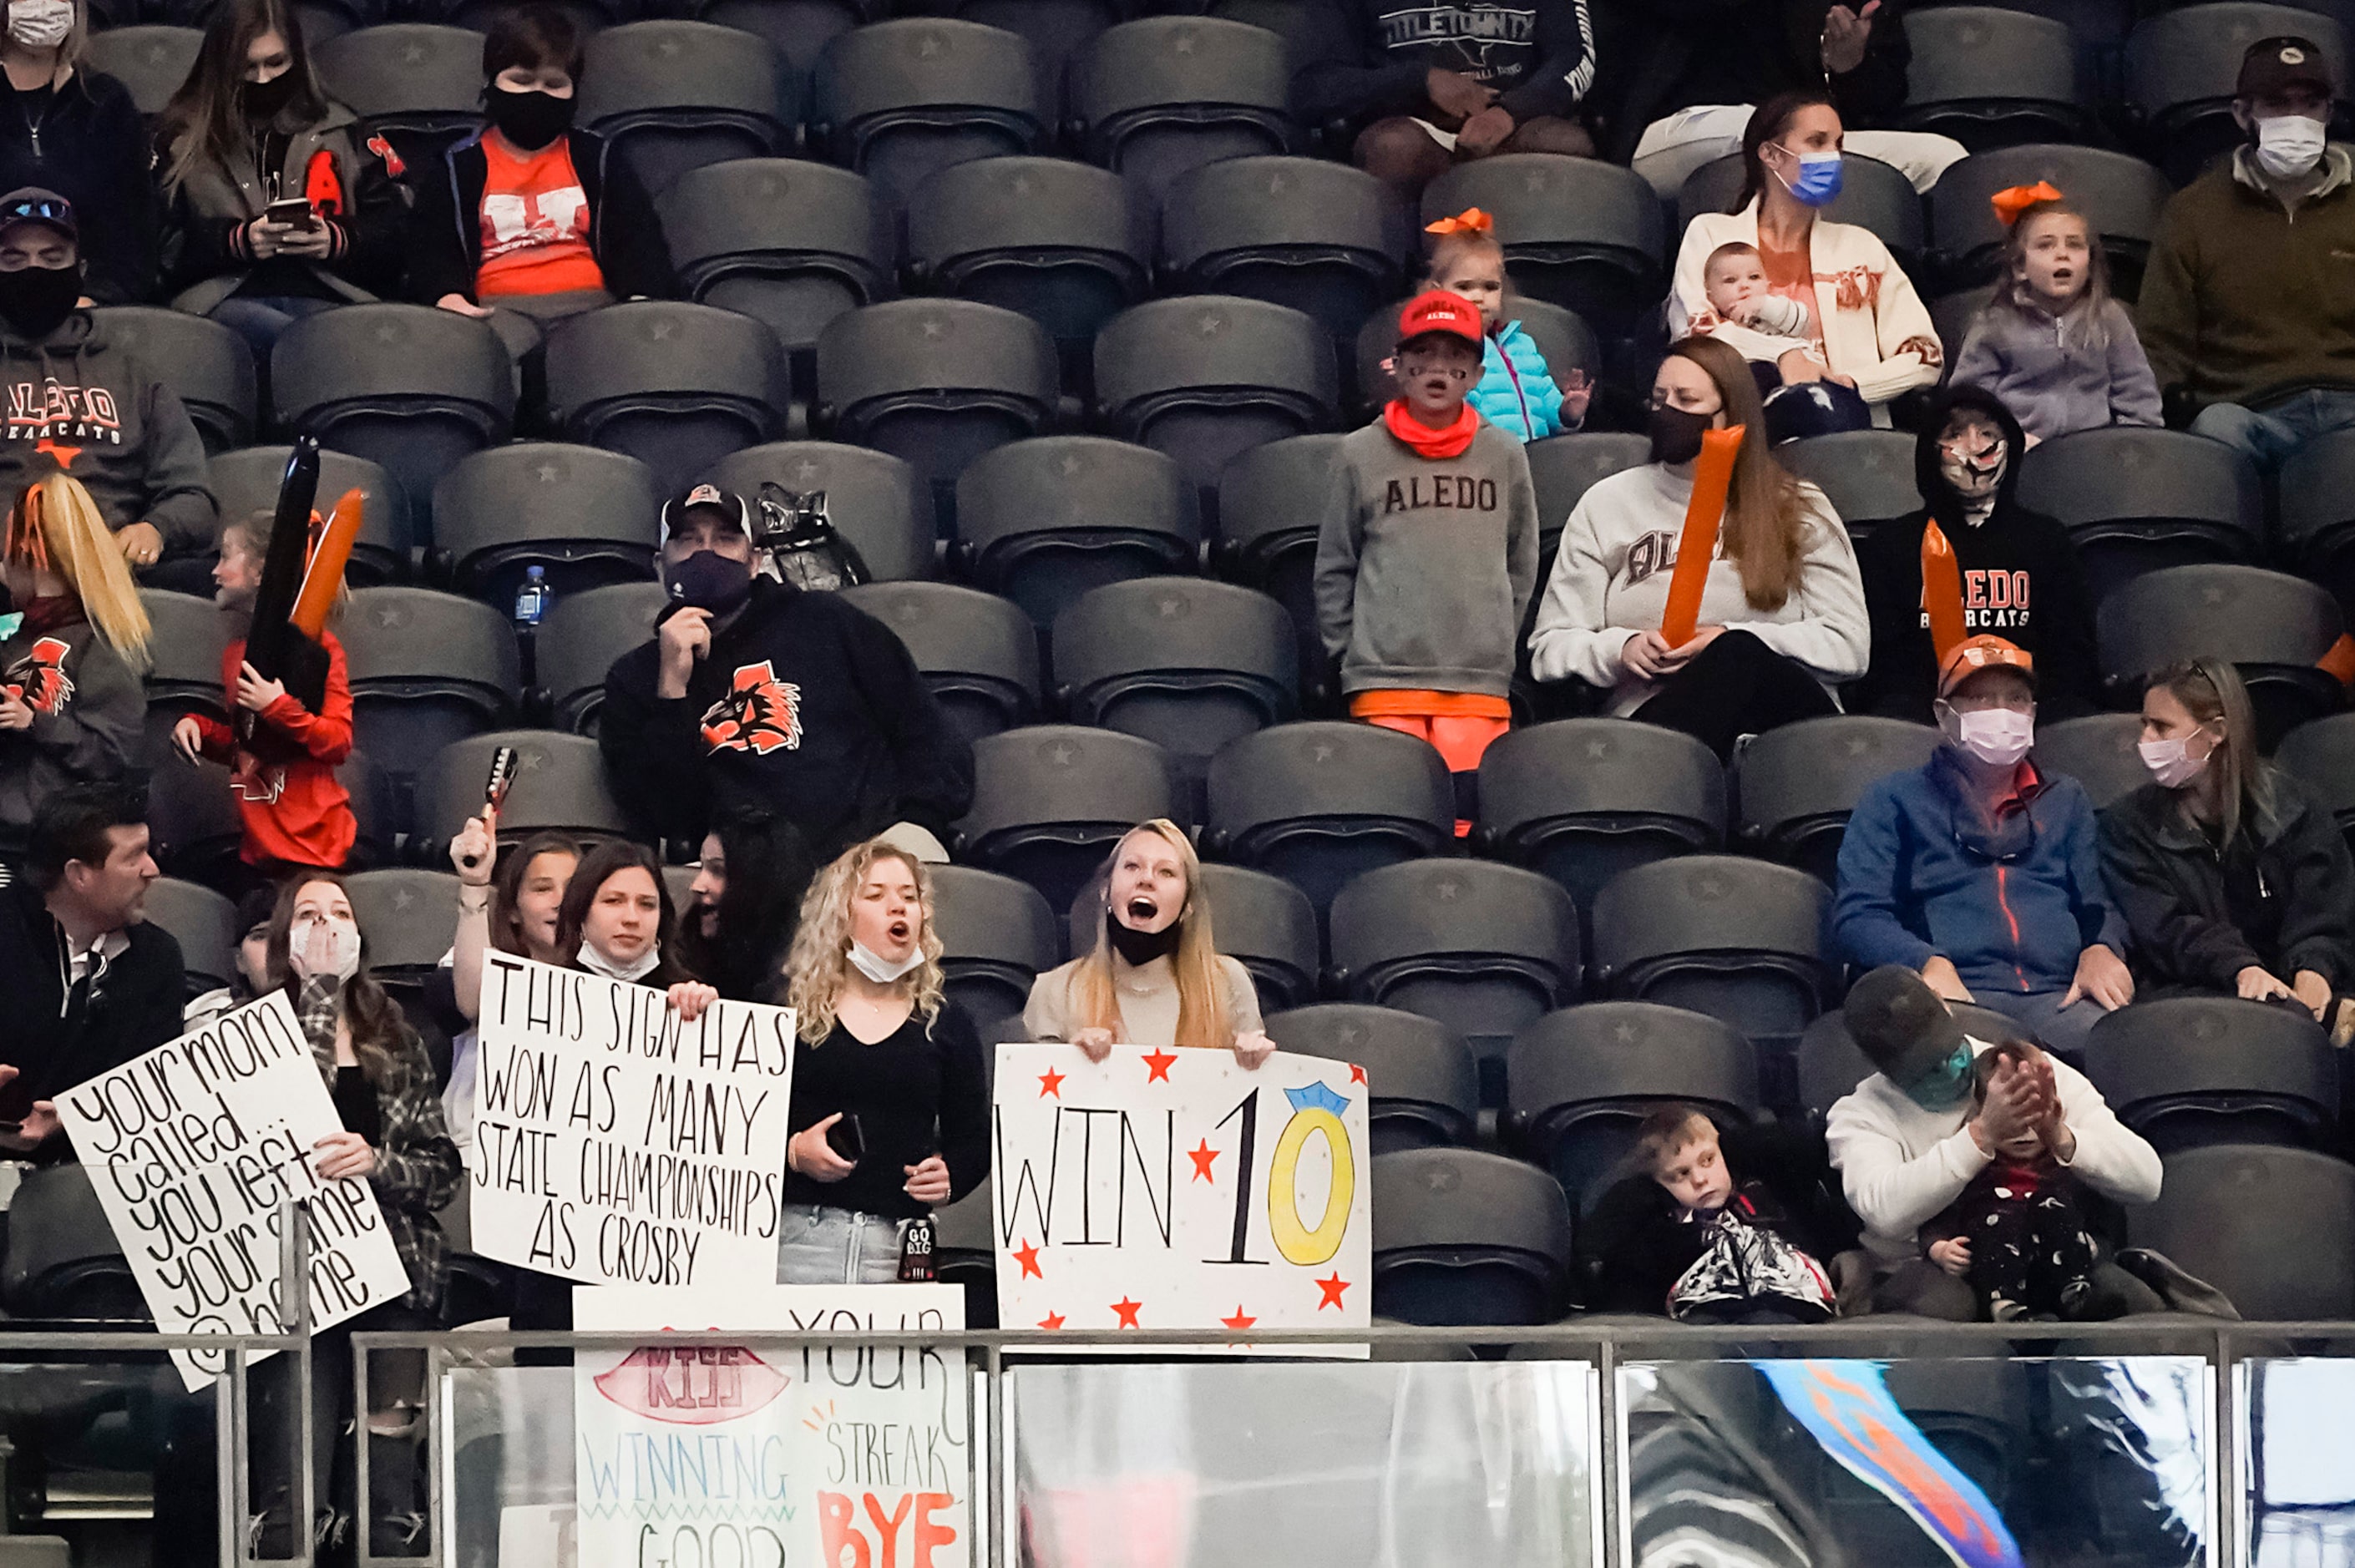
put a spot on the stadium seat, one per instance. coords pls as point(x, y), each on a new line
point(1829, 1064)
point(185, 642)
point(978, 654)
point(409, 387)
point(1867, 475)
point(1582, 800)
point(964, 1253)
point(1583, 1080)
point(1155, 98)
point(1991, 77)
point(1579, 233)
point(2318, 513)
point(2273, 627)
point(677, 385)
point(193, 824)
point(578, 641)
point(427, 670)
point(1270, 499)
point(1050, 802)
point(871, 498)
point(996, 936)
point(407, 917)
point(1042, 522)
point(2120, 196)
point(937, 382)
point(206, 364)
point(2190, 1071)
point(2321, 757)
point(898, 101)
point(673, 95)
point(1794, 786)
point(789, 243)
point(588, 16)
point(1320, 803)
point(588, 518)
point(2136, 499)
point(203, 924)
point(1056, 30)
point(1469, 1238)
point(1565, 341)
point(1564, 468)
point(1954, 315)
point(1063, 243)
point(1186, 662)
point(1317, 236)
point(1264, 923)
point(246, 482)
point(2274, 1229)
point(798, 30)
point(560, 786)
point(66, 1269)
point(2181, 67)
point(419, 83)
point(1485, 949)
point(1423, 1087)
point(1207, 379)
point(371, 794)
point(2097, 751)
point(1872, 196)
point(150, 62)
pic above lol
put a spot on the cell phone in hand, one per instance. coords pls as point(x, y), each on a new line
point(16, 1103)
point(847, 1138)
point(295, 210)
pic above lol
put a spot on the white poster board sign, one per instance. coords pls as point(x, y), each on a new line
point(192, 1148)
point(1173, 1189)
point(853, 1455)
point(615, 1144)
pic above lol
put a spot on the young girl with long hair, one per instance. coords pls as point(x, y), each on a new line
point(1782, 611)
point(890, 1107)
point(1517, 392)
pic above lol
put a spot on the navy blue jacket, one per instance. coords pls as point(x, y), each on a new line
point(2010, 904)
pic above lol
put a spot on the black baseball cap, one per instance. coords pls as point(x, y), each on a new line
point(726, 503)
point(1900, 1024)
point(2273, 66)
point(31, 204)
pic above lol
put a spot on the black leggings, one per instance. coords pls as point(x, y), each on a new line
point(1735, 686)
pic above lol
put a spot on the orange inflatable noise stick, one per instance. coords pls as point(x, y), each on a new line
point(1697, 545)
point(1942, 591)
point(324, 578)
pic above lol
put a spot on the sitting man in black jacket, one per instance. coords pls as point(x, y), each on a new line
point(756, 696)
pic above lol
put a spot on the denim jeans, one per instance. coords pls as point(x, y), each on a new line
point(2269, 435)
point(821, 1246)
point(260, 318)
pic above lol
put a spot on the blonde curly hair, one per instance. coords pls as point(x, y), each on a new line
point(818, 965)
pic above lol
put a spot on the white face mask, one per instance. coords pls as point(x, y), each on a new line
point(1997, 736)
point(319, 949)
point(880, 969)
point(2171, 763)
point(597, 963)
point(2289, 145)
point(40, 24)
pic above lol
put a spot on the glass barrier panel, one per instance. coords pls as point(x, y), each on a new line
point(2297, 1459)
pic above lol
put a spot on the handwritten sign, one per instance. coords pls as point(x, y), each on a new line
point(850, 1455)
point(195, 1148)
point(1172, 1189)
point(615, 1144)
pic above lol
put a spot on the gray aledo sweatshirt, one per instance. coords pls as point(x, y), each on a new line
point(1425, 567)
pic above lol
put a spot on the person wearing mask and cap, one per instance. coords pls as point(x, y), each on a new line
point(1908, 1139)
point(2019, 574)
point(2247, 308)
point(104, 418)
point(76, 132)
point(1981, 874)
point(529, 221)
point(756, 696)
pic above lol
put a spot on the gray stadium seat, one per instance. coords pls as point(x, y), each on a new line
point(2321, 756)
point(1042, 522)
point(2190, 1071)
point(2097, 751)
point(2136, 499)
point(407, 917)
point(1264, 923)
point(1582, 800)
point(1867, 475)
point(674, 95)
point(204, 362)
point(1157, 97)
point(1564, 468)
point(184, 643)
point(580, 638)
point(2120, 196)
point(789, 243)
point(898, 101)
point(2273, 627)
point(560, 786)
point(1050, 802)
point(1991, 77)
point(1467, 1238)
point(2274, 1229)
point(246, 482)
point(1795, 785)
point(1316, 236)
point(1207, 379)
point(1270, 500)
point(677, 385)
point(1423, 1088)
point(1579, 233)
point(1320, 803)
point(151, 61)
point(872, 498)
point(997, 936)
point(1062, 243)
point(799, 30)
point(427, 670)
point(978, 654)
point(2318, 513)
point(419, 83)
point(203, 924)
point(588, 518)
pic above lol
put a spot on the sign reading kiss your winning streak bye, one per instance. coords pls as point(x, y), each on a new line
point(194, 1147)
point(1173, 1189)
point(615, 1144)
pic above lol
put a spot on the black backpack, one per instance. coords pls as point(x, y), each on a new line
point(800, 544)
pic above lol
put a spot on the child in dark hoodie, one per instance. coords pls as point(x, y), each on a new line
point(2020, 576)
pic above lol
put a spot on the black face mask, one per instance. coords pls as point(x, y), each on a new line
point(530, 119)
point(1139, 947)
point(709, 581)
point(263, 100)
point(36, 300)
point(1676, 434)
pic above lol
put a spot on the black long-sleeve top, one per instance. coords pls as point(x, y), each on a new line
point(915, 1096)
point(1538, 55)
point(85, 142)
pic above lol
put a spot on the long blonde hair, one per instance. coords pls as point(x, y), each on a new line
point(817, 967)
point(54, 526)
point(1201, 1012)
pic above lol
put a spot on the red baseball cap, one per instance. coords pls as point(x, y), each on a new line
point(1440, 311)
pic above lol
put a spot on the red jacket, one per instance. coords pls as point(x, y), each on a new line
point(294, 810)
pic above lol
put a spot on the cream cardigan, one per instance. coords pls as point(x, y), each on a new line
point(1876, 328)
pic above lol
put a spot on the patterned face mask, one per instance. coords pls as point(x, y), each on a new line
point(1973, 464)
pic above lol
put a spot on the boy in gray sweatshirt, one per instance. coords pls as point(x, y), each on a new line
point(1429, 552)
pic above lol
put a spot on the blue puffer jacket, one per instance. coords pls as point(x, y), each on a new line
point(1517, 392)
point(2011, 904)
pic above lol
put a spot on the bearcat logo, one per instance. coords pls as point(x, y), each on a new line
point(760, 714)
point(39, 681)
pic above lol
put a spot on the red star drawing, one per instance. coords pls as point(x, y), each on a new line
point(1027, 1256)
point(1332, 1288)
point(1157, 1066)
point(1128, 1310)
point(1052, 1321)
point(1051, 1082)
point(65, 455)
point(1202, 1155)
point(1242, 1319)
point(1357, 1074)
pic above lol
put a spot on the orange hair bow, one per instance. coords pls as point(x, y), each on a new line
point(2010, 203)
point(1471, 220)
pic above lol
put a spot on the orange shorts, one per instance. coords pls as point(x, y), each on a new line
point(1460, 725)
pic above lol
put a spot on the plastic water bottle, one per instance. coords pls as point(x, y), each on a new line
point(531, 599)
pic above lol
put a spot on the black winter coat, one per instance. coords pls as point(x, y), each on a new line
point(85, 142)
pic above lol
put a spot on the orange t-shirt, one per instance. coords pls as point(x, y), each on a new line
point(1791, 274)
point(534, 221)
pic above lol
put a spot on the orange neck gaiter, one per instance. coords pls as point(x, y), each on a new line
point(1431, 445)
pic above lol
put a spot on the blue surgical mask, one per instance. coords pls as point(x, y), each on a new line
point(1945, 1085)
point(1818, 183)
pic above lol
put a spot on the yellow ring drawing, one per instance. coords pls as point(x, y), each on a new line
point(1300, 1245)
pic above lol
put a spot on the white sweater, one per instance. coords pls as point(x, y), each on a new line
point(1611, 580)
point(1901, 1166)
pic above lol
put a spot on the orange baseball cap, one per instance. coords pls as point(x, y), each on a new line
point(1440, 311)
point(1972, 654)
